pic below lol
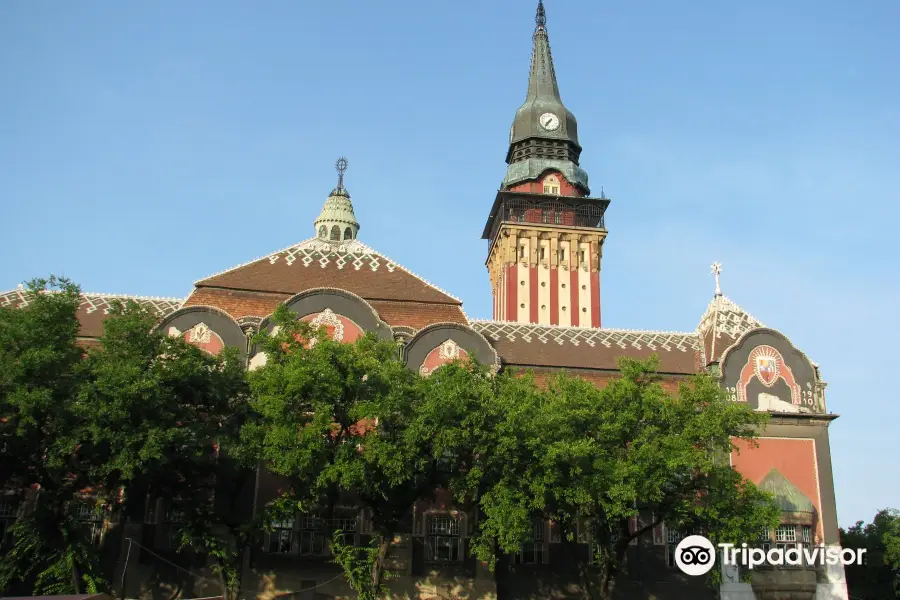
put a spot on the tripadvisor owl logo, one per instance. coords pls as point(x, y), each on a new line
point(695, 555)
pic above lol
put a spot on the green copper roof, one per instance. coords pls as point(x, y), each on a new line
point(543, 94)
point(788, 497)
point(337, 212)
point(532, 168)
point(336, 222)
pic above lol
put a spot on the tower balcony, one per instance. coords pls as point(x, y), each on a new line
point(541, 209)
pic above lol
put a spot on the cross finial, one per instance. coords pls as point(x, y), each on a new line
point(717, 270)
point(541, 17)
point(341, 166)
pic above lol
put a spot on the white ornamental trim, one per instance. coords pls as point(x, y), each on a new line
point(349, 254)
point(623, 338)
point(327, 317)
point(200, 334)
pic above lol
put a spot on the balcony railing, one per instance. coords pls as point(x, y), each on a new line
point(548, 213)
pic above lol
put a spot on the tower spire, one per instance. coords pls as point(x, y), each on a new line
point(541, 17)
point(544, 134)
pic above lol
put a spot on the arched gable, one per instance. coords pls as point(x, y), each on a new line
point(321, 303)
point(764, 369)
point(206, 327)
point(345, 316)
point(442, 343)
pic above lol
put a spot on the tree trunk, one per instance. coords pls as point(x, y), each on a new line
point(378, 565)
point(76, 584)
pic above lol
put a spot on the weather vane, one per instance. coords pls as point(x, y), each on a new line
point(717, 270)
point(341, 166)
point(541, 18)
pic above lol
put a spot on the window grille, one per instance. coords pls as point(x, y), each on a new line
point(806, 534)
point(443, 541)
point(673, 536)
point(281, 538)
point(532, 552)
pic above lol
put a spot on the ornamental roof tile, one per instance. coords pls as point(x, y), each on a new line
point(589, 348)
point(94, 308)
point(313, 263)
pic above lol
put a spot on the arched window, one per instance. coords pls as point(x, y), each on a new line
point(323, 232)
point(348, 234)
point(335, 234)
point(551, 185)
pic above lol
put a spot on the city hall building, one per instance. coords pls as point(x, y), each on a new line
point(545, 232)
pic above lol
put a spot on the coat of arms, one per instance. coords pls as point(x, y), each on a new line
point(766, 365)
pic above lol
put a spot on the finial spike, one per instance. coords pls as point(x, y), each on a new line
point(341, 166)
point(717, 270)
point(541, 17)
point(602, 193)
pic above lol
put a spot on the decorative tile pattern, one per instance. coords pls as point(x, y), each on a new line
point(91, 303)
point(623, 338)
point(724, 316)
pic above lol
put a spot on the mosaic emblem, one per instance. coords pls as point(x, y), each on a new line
point(449, 350)
point(332, 324)
point(766, 364)
point(200, 334)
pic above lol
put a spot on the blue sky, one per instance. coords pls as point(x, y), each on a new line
point(146, 145)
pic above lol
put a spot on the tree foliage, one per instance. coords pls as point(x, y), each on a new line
point(592, 460)
point(339, 420)
point(879, 576)
point(92, 430)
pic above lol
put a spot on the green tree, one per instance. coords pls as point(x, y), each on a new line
point(593, 459)
point(878, 577)
point(339, 420)
point(41, 372)
point(161, 416)
point(93, 431)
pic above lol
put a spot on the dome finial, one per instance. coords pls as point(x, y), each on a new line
point(341, 166)
point(541, 17)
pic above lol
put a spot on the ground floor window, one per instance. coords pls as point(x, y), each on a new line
point(175, 518)
point(281, 538)
point(9, 510)
point(532, 552)
point(312, 534)
point(673, 536)
point(443, 541)
point(90, 519)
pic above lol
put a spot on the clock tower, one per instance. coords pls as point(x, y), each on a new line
point(545, 232)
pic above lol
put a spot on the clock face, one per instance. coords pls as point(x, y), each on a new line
point(549, 121)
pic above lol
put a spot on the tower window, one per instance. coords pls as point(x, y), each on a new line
point(348, 234)
point(551, 185)
point(323, 232)
point(581, 257)
point(522, 251)
point(542, 252)
point(335, 233)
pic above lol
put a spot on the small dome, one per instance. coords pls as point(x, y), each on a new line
point(337, 222)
